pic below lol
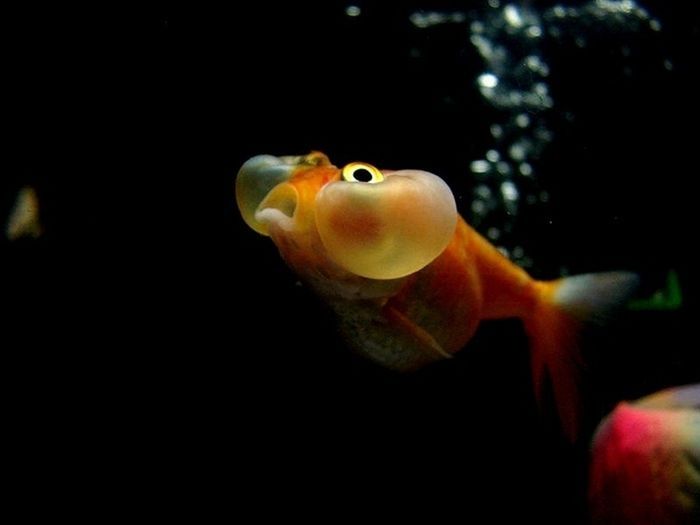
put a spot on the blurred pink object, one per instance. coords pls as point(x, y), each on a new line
point(645, 461)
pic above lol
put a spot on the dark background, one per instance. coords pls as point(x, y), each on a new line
point(158, 351)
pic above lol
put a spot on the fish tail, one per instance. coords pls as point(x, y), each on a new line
point(562, 309)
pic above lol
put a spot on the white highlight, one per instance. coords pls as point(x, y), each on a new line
point(522, 120)
point(487, 80)
point(534, 31)
point(525, 169)
point(517, 152)
point(423, 20)
point(353, 10)
point(509, 191)
point(479, 166)
point(512, 16)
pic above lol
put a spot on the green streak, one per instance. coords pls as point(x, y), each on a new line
point(670, 298)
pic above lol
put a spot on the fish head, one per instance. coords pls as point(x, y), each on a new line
point(355, 221)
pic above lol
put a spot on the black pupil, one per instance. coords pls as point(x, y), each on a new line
point(362, 175)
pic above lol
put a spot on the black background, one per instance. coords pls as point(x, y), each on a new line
point(158, 351)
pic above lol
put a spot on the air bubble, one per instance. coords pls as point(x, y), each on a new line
point(479, 166)
point(503, 168)
point(487, 80)
point(522, 120)
point(353, 10)
point(509, 191)
point(517, 152)
point(534, 31)
point(483, 191)
point(512, 16)
point(559, 11)
point(479, 208)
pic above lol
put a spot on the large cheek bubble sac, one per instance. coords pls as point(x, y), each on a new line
point(255, 181)
point(389, 229)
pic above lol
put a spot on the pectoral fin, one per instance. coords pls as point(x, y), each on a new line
point(428, 344)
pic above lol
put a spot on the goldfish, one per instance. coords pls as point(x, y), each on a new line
point(645, 461)
point(408, 279)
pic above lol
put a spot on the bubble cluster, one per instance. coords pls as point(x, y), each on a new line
point(423, 19)
point(511, 39)
point(596, 16)
point(516, 41)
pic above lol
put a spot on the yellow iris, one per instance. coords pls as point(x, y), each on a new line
point(361, 172)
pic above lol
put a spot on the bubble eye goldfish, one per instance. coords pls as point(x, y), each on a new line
point(409, 279)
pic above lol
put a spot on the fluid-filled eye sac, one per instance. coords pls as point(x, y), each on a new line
point(388, 229)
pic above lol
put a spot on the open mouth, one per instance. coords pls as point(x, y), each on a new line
point(278, 207)
point(256, 183)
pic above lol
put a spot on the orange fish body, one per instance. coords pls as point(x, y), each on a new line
point(409, 279)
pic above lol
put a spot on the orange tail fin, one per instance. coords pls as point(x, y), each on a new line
point(564, 306)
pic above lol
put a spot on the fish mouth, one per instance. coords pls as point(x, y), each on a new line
point(278, 207)
point(255, 180)
point(263, 194)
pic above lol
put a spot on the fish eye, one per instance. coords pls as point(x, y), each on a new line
point(361, 172)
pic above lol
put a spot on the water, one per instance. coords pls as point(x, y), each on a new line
point(519, 45)
point(147, 306)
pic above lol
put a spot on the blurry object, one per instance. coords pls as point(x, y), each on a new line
point(670, 298)
point(521, 83)
point(422, 19)
point(24, 221)
point(645, 466)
